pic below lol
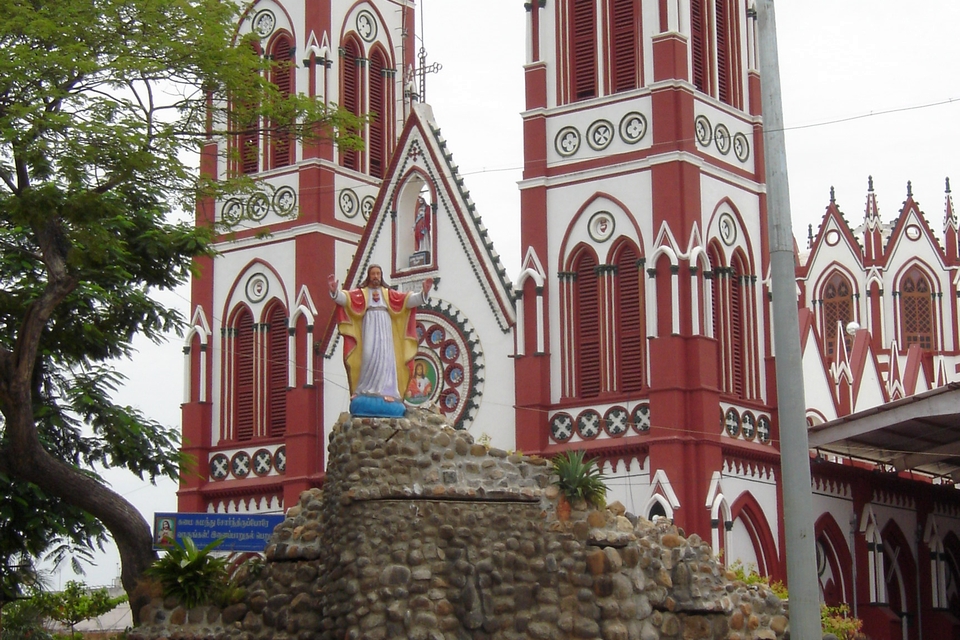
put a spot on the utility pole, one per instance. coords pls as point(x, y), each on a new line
point(791, 407)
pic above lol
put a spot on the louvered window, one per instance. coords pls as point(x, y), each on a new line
point(723, 51)
point(624, 54)
point(719, 326)
point(277, 364)
point(379, 114)
point(282, 76)
point(248, 139)
point(699, 45)
point(737, 337)
point(351, 76)
point(837, 308)
point(916, 310)
point(583, 48)
point(243, 329)
point(587, 327)
point(630, 321)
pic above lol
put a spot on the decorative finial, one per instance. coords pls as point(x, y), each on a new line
point(809, 236)
point(833, 196)
point(870, 183)
point(948, 184)
point(909, 189)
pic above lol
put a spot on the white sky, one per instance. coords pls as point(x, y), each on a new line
point(880, 61)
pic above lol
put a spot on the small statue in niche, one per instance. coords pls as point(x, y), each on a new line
point(422, 240)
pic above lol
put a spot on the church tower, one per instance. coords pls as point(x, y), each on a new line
point(253, 393)
point(643, 305)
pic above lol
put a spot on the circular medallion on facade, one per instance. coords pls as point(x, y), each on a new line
point(600, 135)
point(423, 385)
point(567, 141)
point(366, 206)
point(741, 148)
point(641, 417)
point(421, 332)
point(452, 363)
point(615, 421)
point(749, 425)
point(436, 336)
point(240, 464)
point(264, 23)
point(367, 26)
point(257, 287)
point(704, 131)
point(721, 135)
point(731, 422)
point(449, 351)
point(832, 237)
point(232, 211)
point(763, 429)
point(219, 466)
point(453, 375)
point(588, 424)
point(633, 127)
point(349, 205)
point(561, 427)
point(280, 459)
point(449, 401)
point(728, 229)
point(601, 226)
point(262, 462)
point(284, 201)
point(258, 206)
point(913, 232)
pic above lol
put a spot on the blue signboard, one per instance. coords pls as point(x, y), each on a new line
point(239, 531)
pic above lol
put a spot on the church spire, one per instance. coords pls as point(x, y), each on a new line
point(872, 227)
point(951, 235)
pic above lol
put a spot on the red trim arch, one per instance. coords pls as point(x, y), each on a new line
point(916, 310)
point(583, 298)
point(749, 510)
point(836, 305)
point(574, 220)
point(746, 243)
point(839, 559)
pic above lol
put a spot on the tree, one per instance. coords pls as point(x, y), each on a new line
point(102, 105)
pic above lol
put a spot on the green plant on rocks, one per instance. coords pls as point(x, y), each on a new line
point(193, 576)
point(580, 479)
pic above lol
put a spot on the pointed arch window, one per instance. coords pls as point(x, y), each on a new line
point(875, 564)
point(837, 308)
point(380, 113)
point(583, 49)
point(351, 82)
point(243, 374)
point(277, 367)
point(629, 319)
point(587, 325)
point(247, 125)
point(624, 45)
point(738, 342)
point(715, 49)
point(282, 76)
point(916, 309)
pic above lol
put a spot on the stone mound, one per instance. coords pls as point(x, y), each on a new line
point(422, 533)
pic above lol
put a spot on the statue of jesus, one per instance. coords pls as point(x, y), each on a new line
point(380, 339)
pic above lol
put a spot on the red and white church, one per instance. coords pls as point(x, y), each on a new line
point(638, 327)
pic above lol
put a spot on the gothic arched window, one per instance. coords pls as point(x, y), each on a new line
point(583, 49)
point(276, 370)
point(351, 99)
point(738, 332)
point(837, 308)
point(248, 127)
point(243, 329)
point(629, 318)
point(281, 75)
point(587, 325)
point(624, 57)
point(916, 310)
point(715, 49)
point(380, 113)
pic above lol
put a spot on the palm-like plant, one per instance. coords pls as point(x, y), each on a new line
point(194, 576)
point(579, 478)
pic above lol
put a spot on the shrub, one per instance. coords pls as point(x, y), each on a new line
point(193, 576)
point(579, 478)
point(837, 620)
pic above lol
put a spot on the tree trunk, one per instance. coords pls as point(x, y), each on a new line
point(26, 459)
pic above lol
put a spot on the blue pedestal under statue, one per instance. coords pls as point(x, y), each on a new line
point(371, 406)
